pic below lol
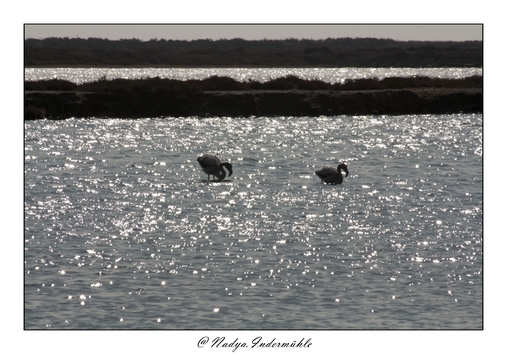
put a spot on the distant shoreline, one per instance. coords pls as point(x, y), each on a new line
point(328, 53)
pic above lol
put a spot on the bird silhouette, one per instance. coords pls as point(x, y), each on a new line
point(332, 175)
point(212, 165)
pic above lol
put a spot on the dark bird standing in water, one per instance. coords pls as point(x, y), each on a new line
point(331, 175)
point(212, 165)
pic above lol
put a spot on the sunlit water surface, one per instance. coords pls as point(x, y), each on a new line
point(123, 230)
point(331, 75)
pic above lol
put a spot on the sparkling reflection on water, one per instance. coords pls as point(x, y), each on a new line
point(331, 75)
point(123, 231)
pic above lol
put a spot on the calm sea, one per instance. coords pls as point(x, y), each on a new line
point(123, 230)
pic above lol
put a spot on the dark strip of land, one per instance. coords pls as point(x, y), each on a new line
point(331, 52)
point(219, 96)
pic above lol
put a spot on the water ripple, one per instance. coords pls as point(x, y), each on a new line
point(122, 229)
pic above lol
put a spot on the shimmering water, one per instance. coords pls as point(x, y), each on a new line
point(122, 230)
point(331, 75)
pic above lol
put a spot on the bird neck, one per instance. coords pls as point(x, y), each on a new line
point(222, 172)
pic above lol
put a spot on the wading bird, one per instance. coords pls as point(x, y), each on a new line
point(212, 165)
point(331, 175)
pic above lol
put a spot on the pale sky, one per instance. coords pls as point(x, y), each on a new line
point(144, 32)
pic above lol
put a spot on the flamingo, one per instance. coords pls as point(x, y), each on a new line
point(331, 175)
point(212, 165)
